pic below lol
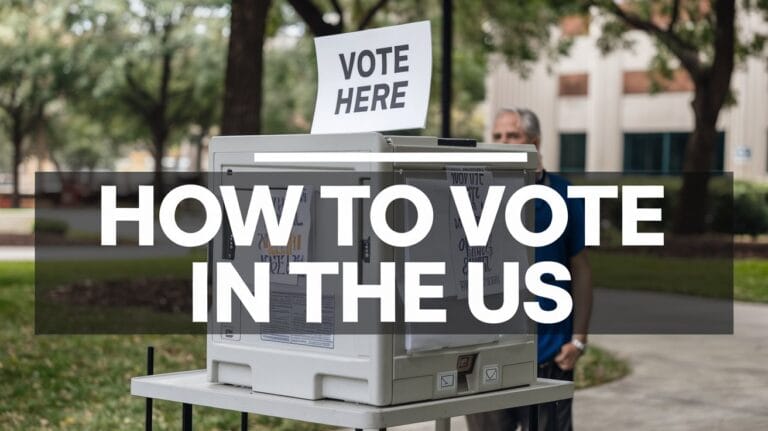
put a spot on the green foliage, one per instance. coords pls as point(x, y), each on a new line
point(89, 75)
point(521, 31)
point(750, 214)
point(736, 207)
point(50, 226)
point(597, 367)
point(76, 142)
point(290, 87)
point(159, 68)
point(745, 212)
point(5, 157)
point(35, 67)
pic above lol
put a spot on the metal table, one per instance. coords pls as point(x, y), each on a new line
point(192, 388)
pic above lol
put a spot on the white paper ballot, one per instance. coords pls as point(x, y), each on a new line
point(373, 80)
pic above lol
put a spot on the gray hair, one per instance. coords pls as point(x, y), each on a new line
point(528, 120)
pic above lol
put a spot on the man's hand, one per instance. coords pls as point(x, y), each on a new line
point(567, 357)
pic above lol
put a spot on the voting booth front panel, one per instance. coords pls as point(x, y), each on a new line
point(386, 367)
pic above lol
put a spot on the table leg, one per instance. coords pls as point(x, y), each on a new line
point(186, 417)
point(148, 402)
point(443, 424)
point(533, 418)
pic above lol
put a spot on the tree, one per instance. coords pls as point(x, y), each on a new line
point(33, 53)
point(700, 36)
point(245, 66)
point(76, 145)
point(152, 79)
point(353, 17)
point(291, 87)
point(250, 25)
point(705, 46)
point(206, 62)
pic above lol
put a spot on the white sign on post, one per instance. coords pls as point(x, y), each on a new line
point(373, 80)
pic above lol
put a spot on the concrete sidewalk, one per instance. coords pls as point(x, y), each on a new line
point(17, 253)
point(685, 382)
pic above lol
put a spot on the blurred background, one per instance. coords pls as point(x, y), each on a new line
point(657, 89)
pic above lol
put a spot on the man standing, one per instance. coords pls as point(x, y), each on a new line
point(559, 345)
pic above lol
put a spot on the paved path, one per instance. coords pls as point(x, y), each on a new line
point(14, 253)
point(18, 221)
point(679, 382)
point(92, 253)
point(686, 382)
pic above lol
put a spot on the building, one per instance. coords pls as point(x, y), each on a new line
point(598, 114)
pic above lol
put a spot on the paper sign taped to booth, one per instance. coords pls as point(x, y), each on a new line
point(476, 181)
point(373, 80)
point(280, 257)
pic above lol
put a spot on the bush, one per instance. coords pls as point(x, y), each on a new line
point(51, 226)
point(735, 207)
point(745, 214)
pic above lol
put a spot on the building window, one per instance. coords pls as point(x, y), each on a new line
point(573, 152)
point(644, 82)
point(575, 25)
point(663, 152)
point(573, 84)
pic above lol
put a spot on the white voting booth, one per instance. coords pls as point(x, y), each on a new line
point(387, 368)
point(393, 374)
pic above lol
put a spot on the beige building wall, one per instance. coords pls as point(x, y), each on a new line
point(605, 113)
point(509, 90)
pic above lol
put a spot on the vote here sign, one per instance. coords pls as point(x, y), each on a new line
point(373, 80)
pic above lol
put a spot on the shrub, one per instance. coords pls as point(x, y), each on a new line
point(746, 214)
point(51, 226)
point(735, 207)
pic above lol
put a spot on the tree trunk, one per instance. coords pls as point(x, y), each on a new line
point(158, 141)
point(691, 212)
point(16, 197)
point(245, 60)
point(17, 138)
point(204, 130)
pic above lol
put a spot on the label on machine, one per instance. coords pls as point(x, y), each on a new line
point(288, 323)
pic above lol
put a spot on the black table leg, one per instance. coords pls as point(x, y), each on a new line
point(533, 418)
point(243, 421)
point(186, 417)
point(148, 405)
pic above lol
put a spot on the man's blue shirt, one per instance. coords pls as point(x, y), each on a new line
point(553, 336)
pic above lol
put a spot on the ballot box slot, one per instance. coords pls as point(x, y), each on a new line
point(453, 142)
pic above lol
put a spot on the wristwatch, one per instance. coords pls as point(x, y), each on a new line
point(579, 345)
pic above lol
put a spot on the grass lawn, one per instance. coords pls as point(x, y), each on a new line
point(599, 366)
point(81, 382)
point(693, 276)
point(751, 280)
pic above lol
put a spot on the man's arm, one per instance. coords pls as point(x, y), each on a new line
point(581, 288)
